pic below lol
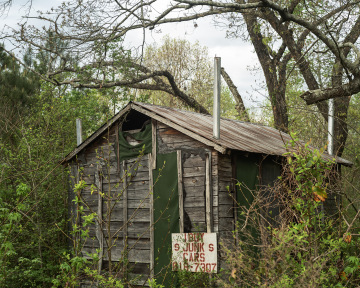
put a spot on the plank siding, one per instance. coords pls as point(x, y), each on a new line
point(226, 205)
point(126, 227)
point(103, 153)
point(169, 139)
point(225, 196)
point(193, 177)
point(215, 189)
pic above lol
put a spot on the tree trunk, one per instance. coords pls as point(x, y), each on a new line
point(341, 106)
point(271, 68)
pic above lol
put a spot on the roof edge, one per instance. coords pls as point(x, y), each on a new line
point(144, 110)
point(135, 106)
point(187, 132)
point(97, 133)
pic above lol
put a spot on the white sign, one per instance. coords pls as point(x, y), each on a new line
point(195, 252)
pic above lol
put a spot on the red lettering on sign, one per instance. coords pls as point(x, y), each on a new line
point(190, 237)
point(196, 257)
point(192, 247)
point(194, 252)
point(201, 247)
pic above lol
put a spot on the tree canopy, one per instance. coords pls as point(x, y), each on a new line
point(91, 27)
point(77, 63)
point(286, 35)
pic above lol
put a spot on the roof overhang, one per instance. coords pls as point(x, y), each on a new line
point(146, 112)
point(161, 116)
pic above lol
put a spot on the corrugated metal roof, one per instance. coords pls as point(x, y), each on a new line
point(234, 135)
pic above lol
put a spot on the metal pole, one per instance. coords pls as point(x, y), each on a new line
point(331, 127)
point(217, 91)
point(78, 131)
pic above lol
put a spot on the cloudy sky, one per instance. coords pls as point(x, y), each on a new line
point(237, 56)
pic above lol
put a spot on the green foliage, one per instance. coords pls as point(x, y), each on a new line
point(352, 152)
point(198, 279)
point(17, 86)
point(33, 186)
point(303, 247)
point(192, 69)
point(75, 268)
point(152, 284)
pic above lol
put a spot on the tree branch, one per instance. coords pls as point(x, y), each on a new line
point(314, 96)
point(356, 50)
point(240, 107)
point(237, 6)
point(316, 31)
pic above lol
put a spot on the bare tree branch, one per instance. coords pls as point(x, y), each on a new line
point(236, 6)
point(314, 96)
point(240, 107)
point(286, 16)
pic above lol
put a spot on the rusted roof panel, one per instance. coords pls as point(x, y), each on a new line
point(234, 135)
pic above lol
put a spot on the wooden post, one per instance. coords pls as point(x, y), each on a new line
point(151, 193)
point(117, 148)
point(125, 210)
point(78, 215)
point(208, 193)
point(233, 187)
point(153, 153)
point(99, 232)
point(331, 127)
point(215, 187)
point(180, 192)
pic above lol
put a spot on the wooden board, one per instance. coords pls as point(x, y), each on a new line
point(226, 202)
point(180, 191)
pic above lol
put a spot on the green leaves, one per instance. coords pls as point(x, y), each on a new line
point(319, 193)
point(88, 219)
point(301, 244)
point(79, 186)
point(22, 190)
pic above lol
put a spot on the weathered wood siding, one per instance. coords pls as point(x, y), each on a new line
point(193, 171)
point(124, 204)
point(226, 195)
point(226, 205)
point(124, 226)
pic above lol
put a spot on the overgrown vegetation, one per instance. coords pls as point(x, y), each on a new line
point(33, 185)
point(302, 246)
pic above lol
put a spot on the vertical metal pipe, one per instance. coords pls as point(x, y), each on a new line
point(78, 131)
point(208, 194)
point(217, 91)
point(331, 127)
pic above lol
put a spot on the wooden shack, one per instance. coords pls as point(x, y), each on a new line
point(151, 171)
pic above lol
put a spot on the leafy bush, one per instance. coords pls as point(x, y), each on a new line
point(302, 246)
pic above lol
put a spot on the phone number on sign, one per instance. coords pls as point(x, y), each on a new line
point(195, 267)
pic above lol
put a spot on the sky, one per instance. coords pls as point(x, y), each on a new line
point(237, 57)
